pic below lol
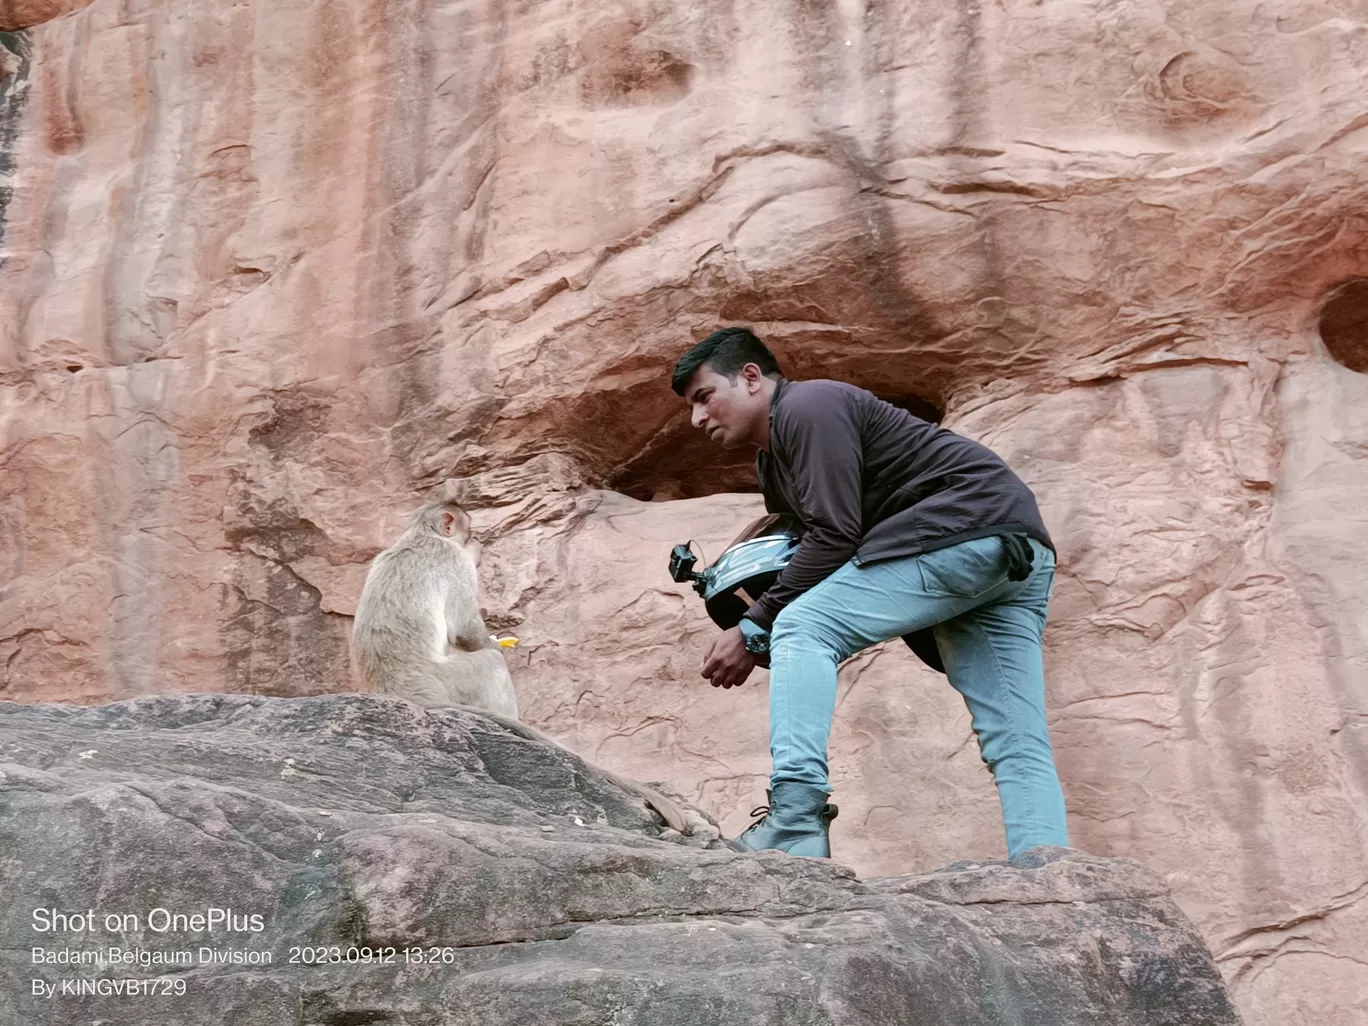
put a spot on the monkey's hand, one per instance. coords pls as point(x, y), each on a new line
point(728, 664)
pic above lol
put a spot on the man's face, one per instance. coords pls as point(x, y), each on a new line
point(726, 410)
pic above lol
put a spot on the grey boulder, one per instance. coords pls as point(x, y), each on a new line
point(357, 860)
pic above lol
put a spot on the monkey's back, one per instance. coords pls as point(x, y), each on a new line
point(399, 628)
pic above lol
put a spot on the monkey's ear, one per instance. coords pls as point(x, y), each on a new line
point(447, 523)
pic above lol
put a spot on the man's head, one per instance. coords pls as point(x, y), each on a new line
point(728, 379)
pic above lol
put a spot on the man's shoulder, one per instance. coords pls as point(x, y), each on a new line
point(818, 394)
point(819, 387)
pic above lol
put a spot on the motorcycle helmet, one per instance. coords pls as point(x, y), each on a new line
point(744, 571)
point(750, 565)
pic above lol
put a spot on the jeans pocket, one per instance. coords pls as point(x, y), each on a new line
point(966, 570)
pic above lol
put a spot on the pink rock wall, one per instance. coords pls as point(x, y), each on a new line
point(271, 271)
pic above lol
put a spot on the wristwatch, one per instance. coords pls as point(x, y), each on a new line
point(757, 638)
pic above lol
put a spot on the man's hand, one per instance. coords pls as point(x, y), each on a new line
point(727, 663)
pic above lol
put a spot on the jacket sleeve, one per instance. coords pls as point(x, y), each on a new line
point(825, 456)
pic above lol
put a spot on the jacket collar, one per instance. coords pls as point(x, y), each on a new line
point(780, 384)
point(779, 387)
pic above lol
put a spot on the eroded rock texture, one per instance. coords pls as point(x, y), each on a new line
point(542, 894)
point(273, 270)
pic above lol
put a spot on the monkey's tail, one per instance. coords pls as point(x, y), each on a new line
point(671, 813)
point(668, 810)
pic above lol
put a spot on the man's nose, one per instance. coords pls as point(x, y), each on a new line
point(697, 417)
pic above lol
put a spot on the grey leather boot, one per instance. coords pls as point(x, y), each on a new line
point(797, 821)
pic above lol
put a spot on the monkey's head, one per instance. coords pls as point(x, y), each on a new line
point(449, 522)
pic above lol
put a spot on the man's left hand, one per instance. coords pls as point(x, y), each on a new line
point(727, 663)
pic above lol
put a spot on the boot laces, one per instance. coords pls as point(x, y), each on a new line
point(760, 810)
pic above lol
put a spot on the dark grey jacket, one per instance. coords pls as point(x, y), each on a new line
point(871, 481)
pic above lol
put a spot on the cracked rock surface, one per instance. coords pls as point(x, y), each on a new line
point(546, 895)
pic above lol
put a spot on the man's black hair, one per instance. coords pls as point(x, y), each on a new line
point(726, 351)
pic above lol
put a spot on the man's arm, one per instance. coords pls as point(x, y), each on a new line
point(826, 463)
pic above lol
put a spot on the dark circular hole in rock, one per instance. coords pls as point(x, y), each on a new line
point(1344, 324)
point(630, 78)
point(682, 464)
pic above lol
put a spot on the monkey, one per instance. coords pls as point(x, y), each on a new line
point(419, 602)
point(418, 633)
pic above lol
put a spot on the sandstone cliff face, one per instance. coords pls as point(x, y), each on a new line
point(271, 271)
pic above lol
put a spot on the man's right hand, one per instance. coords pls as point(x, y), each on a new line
point(728, 664)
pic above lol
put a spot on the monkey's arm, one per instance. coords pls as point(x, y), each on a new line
point(466, 629)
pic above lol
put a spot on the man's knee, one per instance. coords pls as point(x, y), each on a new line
point(798, 625)
point(788, 624)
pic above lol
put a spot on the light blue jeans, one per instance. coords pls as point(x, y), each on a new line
point(988, 630)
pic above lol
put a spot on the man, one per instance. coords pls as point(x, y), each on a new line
point(909, 531)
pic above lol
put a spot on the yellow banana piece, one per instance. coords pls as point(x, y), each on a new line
point(508, 642)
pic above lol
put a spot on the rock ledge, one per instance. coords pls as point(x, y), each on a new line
point(462, 876)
